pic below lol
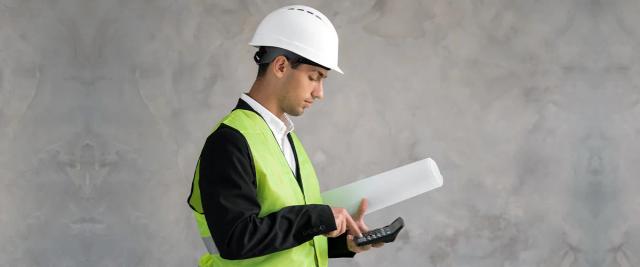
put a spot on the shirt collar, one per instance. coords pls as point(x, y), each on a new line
point(278, 127)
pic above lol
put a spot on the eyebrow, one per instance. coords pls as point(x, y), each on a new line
point(322, 75)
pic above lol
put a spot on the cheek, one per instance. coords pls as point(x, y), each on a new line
point(309, 86)
point(303, 87)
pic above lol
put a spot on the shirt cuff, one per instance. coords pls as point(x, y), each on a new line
point(338, 247)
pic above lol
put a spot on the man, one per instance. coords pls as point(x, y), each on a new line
point(255, 194)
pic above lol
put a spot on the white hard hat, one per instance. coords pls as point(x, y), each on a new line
point(301, 30)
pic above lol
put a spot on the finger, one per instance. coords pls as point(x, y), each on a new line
point(377, 245)
point(340, 227)
point(363, 227)
point(364, 203)
point(332, 233)
point(357, 248)
point(353, 227)
point(352, 244)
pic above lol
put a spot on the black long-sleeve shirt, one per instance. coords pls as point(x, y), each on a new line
point(229, 201)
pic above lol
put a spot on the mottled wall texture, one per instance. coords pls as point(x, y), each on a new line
point(530, 108)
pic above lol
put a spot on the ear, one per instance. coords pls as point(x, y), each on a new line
point(279, 66)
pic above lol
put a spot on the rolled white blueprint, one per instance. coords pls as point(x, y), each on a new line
point(387, 188)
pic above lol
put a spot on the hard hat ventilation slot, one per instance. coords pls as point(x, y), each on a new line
point(300, 9)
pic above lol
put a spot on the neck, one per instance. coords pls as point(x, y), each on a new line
point(264, 93)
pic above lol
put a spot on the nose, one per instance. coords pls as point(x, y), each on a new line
point(317, 92)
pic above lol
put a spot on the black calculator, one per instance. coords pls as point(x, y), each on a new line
point(385, 234)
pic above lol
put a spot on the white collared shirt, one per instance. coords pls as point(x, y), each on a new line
point(279, 128)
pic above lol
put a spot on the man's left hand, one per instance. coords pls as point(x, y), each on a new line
point(359, 218)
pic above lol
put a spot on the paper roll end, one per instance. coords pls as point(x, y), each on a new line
point(435, 171)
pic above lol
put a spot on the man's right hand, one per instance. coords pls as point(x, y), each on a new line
point(344, 223)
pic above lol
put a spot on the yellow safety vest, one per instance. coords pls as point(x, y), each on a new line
point(276, 188)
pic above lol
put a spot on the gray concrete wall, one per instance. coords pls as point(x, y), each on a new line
point(530, 108)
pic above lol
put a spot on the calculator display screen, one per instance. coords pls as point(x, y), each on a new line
point(395, 225)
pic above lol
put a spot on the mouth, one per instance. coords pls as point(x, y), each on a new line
point(309, 103)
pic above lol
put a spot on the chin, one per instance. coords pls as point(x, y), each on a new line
point(296, 112)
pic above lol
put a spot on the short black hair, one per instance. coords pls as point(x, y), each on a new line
point(265, 55)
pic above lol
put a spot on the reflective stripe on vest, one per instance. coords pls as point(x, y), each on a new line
point(211, 247)
point(276, 188)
